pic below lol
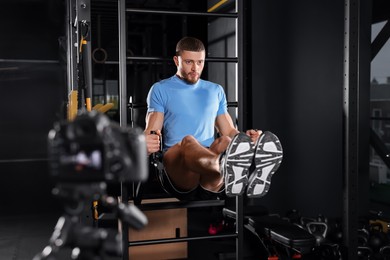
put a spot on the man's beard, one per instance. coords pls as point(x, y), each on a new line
point(188, 79)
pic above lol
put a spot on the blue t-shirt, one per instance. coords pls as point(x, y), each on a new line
point(189, 109)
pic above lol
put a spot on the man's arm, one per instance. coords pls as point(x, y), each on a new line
point(224, 125)
point(154, 122)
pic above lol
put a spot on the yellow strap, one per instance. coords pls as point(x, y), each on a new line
point(88, 103)
point(211, 9)
point(106, 107)
point(95, 210)
point(97, 106)
point(72, 105)
point(82, 42)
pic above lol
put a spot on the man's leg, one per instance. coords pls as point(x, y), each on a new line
point(189, 164)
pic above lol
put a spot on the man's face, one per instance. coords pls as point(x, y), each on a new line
point(190, 65)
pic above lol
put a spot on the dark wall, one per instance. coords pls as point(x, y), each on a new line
point(297, 68)
point(297, 81)
point(32, 87)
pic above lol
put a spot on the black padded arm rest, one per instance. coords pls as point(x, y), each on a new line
point(283, 232)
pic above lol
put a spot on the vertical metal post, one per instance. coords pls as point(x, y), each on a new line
point(83, 10)
point(241, 97)
point(351, 126)
point(123, 109)
point(71, 48)
point(125, 226)
point(240, 227)
point(241, 65)
point(122, 63)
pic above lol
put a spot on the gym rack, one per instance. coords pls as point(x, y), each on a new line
point(241, 88)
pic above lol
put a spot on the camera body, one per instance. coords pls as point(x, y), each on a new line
point(84, 156)
point(91, 148)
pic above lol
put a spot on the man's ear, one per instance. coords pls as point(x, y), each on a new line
point(176, 60)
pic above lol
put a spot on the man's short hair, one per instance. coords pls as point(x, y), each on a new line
point(189, 44)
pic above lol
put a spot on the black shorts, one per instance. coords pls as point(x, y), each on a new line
point(199, 193)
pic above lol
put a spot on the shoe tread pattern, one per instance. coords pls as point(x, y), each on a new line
point(238, 158)
point(268, 157)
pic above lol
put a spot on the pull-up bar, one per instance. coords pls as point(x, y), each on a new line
point(148, 11)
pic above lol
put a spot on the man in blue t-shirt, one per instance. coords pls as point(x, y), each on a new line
point(188, 110)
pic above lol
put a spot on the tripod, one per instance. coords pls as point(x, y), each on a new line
point(88, 242)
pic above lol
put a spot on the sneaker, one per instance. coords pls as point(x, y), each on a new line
point(267, 159)
point(235, 164)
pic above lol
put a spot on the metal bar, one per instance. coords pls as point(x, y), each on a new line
point(144, 105)
point(24, 160)
point(131, 62)
point(179, 239)
point(181, 204)
point(240, 227)
point(125, 226)
point(87, 59)
point(29, 61)
point(123, 109)
point(83, 9)
point(380, 118)
point(380, 40)
point(122, 63)
point(242, 98)
point(216, 59)
point(71, 47)
point(157, 59)
point(351, 126)
point(144, 11)
point(240, 51)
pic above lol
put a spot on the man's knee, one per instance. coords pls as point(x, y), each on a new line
point(189, 139)
point(220, 144)
point(224, 139)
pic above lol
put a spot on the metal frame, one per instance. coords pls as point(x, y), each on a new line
point(241, 80)
point(351, 126)
point(76, 11)
point(145, 11)
point(242, 112)
point(71, 51)
point(83, 11)
point(122, 63)
point(214, 59)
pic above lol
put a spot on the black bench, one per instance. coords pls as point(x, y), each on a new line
point(276, 229)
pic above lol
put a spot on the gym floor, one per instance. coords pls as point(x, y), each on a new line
point(24, 236)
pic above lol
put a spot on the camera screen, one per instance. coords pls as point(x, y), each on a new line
point(81, 164)
point(83, 161)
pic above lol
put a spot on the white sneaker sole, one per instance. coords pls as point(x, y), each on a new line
point(239, 155)
point(268, 157)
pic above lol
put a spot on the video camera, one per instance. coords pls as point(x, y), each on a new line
point(91, 148)
point(84, 156)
